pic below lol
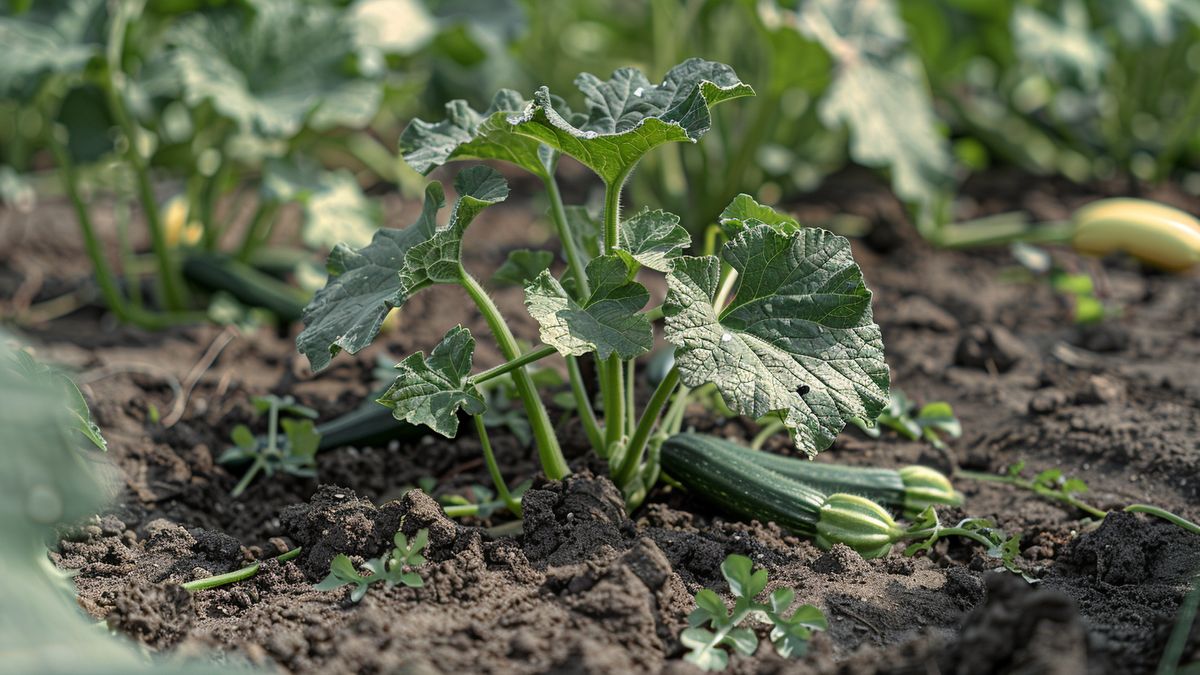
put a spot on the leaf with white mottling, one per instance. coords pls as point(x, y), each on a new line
point(609, 322)
point(797, 339)
point(653, 238)
point(628, 116)
point(432, 390)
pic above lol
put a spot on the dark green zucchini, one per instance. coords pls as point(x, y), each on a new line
point(218, 272)
point(908, 490)
point(722, 474)
point(368, 424)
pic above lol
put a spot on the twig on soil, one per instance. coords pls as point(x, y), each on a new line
point(193, 377)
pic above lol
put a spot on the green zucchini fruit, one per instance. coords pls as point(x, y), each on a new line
point(908, 490)
point(254, 288)
point(721, 473)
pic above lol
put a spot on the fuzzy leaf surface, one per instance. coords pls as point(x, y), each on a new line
point(653, 238)
point(628, 116)
point(438, 260)
point(432, 390)
point(468, 134)
point(797, 339)
point(744, 212)
point(363, 286)
point(608, 322)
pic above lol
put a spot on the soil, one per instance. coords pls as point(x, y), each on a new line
point(587, 588)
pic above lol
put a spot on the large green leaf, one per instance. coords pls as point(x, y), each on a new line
point(54, 37)
point(609, 322)
point(628, 116)
point(653, 238)
point(439, 259)
point(879, 92)
point(274, 68)
point(744, 212)
point(1065, 49)
point(365, 284)
point(798, 338)
point(432, 390)
point(467, 134)
point(523, 266)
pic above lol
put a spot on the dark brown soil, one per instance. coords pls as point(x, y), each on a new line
point(588, 589)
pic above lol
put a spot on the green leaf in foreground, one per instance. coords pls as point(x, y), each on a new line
point(744, 212)
point(365, 284)
point(797, 339)
point(438, 259)
point(628, 116)
point(609, 322)
point(467, 134)
point(432, 390)
point(51, 378)
point(653, 238)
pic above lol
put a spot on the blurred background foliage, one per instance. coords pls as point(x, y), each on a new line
point(312, 95)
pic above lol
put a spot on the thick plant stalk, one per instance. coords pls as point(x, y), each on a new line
point(559, 217)
point(489, 458)
point(170, 276)
point(104, 275)
point(611, 383)
point(637, 443)
point(554, 465)
point(259, 229)
point(582, 403)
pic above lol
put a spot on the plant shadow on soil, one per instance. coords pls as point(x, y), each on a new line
point(587, 589)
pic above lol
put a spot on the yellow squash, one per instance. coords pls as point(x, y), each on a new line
point(1157, 234)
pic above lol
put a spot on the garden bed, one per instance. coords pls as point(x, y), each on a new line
point(587, 589)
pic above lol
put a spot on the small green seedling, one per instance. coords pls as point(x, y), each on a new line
point(927, 529)
point(294, 454)
point(930, 421)
point(1078, 289)
point(790, 633)
point(482, 503)
point(395, 568)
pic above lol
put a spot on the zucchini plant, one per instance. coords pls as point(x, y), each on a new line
point(790, 633)
point(778, 320)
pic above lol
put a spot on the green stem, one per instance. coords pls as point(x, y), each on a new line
point(711, 235)
point(208, 205)
point(1165, 515)
point(583, 404)
point(170, 276)
point(509, 366)
point(104, 275)
point(611, 380)
point(673, 420)
point(774, 426)
point(1177, 642)
point(259, 229)
point(133, 283)
point(726, 288)
point(630, 403)
point(1034, 488)
point(558, 215)
point(461, 510)
point(942, 532)
point(997, 231)
point(236, 575)
point(554, 465)
point(637, 443)
point(244, 483)
point(489, 458)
